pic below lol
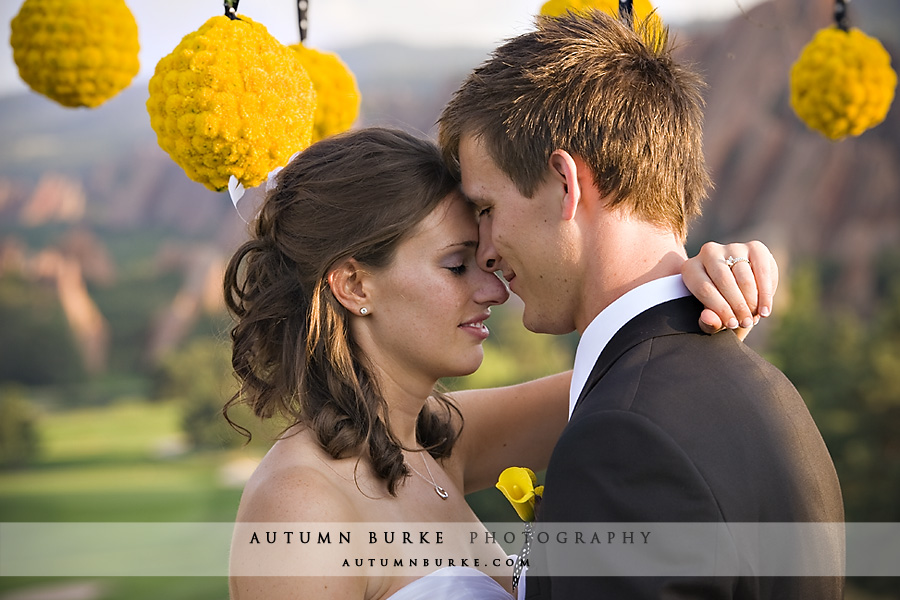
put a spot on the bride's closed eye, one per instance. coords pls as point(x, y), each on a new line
point(458, 269)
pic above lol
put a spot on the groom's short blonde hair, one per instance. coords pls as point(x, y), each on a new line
point(590, 85)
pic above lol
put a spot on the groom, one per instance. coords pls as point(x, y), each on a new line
point(580, 146)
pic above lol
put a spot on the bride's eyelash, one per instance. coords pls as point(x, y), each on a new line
point(457, 270)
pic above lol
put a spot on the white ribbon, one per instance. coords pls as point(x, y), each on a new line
point(255, 195)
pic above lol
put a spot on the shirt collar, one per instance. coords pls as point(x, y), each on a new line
point(611, 319)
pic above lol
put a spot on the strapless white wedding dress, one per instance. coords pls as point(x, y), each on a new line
point(453, 583)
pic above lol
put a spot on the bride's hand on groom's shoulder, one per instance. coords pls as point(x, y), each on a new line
point(735, 282)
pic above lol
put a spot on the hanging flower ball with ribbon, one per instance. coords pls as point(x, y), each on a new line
point(336, 92)
point(555, 8)
point(842, 84)
point(76, 53)
point(231, 101)
point(641, 11)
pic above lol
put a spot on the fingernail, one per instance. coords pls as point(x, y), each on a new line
point(732, 323)
point(764, 311)
point(747, 323)
point(756, 320)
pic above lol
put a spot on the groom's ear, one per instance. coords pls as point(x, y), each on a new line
point(565, 169)
point(349, 284)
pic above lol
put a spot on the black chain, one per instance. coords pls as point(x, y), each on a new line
point(302, 7)
point(231, 9)
point(626, 13)
point(840, 15)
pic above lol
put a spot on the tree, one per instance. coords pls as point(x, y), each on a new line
point(848, 371)
point(37, 347)
point(19, 442)
point(199, 378)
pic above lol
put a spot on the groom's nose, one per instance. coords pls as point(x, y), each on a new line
point(486, 254)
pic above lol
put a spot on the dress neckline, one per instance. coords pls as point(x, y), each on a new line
point(448, 572)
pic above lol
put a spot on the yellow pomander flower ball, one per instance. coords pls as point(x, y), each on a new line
point(337, 95)
point(76, 53)
point(843, 83)
point(555, 8)
point(231, 100)
point(642, 9)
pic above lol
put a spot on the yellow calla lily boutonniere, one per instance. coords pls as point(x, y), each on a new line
point(518, 485)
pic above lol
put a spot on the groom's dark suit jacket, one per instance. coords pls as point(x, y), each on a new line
point(677, 426)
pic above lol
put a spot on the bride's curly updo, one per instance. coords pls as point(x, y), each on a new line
point(356, 195)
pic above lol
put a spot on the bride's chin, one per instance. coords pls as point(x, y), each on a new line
point(468, 368)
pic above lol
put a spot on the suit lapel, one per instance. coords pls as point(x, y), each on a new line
point(669, 318)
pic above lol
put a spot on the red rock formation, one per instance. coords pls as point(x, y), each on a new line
point(56, 198)
point(94, 259)
point(201, 292)
point(89, 328)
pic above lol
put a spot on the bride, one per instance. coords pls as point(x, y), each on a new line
point(358, 291)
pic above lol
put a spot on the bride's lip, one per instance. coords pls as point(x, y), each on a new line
point(476, 326)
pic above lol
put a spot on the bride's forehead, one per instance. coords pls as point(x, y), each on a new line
point(451, 217)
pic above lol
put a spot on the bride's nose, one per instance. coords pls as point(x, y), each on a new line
point(491, 289)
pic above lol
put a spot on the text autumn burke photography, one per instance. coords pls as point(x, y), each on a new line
point(437, 537)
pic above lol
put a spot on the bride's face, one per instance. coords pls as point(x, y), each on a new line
point(428, 306)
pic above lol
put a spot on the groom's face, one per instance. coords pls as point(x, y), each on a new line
point(524, 238)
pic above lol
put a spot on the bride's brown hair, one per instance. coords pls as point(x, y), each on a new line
point(355, 195)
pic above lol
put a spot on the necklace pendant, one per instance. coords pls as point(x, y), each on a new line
point(441, 492)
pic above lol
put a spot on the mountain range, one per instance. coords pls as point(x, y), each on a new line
point(93, 175)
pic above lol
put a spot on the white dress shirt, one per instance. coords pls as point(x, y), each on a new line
point(612, 318)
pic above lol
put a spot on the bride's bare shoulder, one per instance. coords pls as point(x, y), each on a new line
point(294, 483)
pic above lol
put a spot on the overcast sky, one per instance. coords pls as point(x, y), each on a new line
point(338, 23)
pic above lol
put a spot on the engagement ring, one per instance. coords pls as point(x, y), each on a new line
point(731, 261)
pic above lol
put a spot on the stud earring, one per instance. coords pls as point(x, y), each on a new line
point(364, 311)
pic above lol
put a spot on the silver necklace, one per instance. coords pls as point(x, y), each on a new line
point(437, 489)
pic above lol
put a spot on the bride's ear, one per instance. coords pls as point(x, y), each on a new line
point(349, 284)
